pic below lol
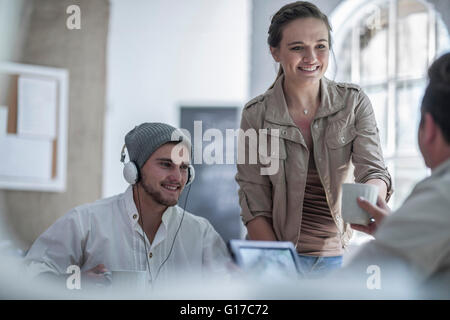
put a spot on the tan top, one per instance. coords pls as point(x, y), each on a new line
point(319, 234)
point(343, 131)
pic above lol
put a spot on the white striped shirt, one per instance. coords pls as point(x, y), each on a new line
point(107, 232)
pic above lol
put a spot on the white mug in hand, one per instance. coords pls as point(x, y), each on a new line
point(351, 212)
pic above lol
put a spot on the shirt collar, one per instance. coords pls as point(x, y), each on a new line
point(133, 214)
point(442, 168)
point(167, 224)
point(130, 206)
point(168, 217)
point(277, 111)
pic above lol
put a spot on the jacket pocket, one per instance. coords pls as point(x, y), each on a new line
point(339, 138)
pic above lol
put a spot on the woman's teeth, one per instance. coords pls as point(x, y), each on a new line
point(309, 68)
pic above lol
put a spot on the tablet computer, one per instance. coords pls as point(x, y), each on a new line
point(265, 258)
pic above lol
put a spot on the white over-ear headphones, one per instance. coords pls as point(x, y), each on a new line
point(131, 171)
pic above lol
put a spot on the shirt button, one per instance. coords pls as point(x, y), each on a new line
point(150, 255)
point(135, 216)
point(284, 132)
point(342, 139)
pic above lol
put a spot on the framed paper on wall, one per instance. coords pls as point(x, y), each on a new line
point(33, 127)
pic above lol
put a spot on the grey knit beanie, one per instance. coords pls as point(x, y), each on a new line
point(146, 138)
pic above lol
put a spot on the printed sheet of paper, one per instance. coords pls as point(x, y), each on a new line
point(37, 107)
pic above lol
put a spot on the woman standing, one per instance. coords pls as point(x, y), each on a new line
point(323, 127)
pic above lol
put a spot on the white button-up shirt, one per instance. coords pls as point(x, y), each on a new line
point(107, 232)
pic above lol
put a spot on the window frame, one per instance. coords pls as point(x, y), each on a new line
point(348, 17)
point(393, 80)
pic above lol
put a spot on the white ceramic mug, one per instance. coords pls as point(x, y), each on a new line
point(351, 212)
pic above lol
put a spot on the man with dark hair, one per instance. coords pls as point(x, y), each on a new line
point(416, 238)
point(141, 229)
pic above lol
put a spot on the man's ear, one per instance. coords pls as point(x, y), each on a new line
point(275, 53)
point(430, 129)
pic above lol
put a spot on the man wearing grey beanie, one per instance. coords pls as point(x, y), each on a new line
point(140, 230)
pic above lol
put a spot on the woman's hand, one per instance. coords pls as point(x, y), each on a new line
point(260, 228)
point(382, 187)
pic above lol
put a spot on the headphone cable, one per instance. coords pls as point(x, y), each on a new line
point(176, 233)
point(145, 242)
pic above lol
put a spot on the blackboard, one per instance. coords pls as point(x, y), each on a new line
point(213, 194)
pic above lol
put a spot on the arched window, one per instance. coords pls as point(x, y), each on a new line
point(386, 46)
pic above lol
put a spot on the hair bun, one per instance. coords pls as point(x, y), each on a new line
point(439, 72)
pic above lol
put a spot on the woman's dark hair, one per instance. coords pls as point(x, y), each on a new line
point(436, 100)
point(291, 12)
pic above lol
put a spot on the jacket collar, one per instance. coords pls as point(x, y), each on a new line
point(277, 111)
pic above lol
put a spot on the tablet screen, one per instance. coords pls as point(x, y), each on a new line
point(268, 261)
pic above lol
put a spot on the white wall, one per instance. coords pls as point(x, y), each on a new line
point(10, 12)
point(167, 53)
point(10, 24)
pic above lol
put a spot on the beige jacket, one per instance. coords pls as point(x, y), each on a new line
point(344, 131)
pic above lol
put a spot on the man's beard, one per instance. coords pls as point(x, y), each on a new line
point(157, 195)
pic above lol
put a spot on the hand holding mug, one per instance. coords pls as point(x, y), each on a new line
point(378, 212)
